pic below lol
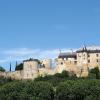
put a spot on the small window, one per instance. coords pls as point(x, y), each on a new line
point(88, 61)
point(88, 55)
point(97, 55)
point(61, 63)
point(97, 60)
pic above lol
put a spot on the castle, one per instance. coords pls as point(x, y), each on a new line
point(78, 62)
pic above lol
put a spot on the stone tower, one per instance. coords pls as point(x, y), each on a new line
point(30, 69)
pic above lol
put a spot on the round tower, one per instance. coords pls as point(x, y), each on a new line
point(30, 69)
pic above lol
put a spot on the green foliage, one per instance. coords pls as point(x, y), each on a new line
point(78, 90)
point(2, 69)
point(96, 72)
point(5, 80)
point(61, 86)
point(19, 67)
point(91, 76)
point(62, 75)
point(91, 97)
point(27, 91)
point(57, 78)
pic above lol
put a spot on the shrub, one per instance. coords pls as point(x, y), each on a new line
point(27, 91)
point(2, 69)
point(95, 71)
point(78, 90)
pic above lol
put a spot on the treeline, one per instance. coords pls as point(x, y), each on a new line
point(61, 86)
point(68, 90)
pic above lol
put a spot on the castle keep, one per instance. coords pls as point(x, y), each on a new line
point(78, 62)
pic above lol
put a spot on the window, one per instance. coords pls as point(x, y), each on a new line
point(97, 60)
point(97, 55)
point(88, 55)
point(61, 63)
point(88, 61)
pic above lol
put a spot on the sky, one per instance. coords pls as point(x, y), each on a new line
point(40, 28)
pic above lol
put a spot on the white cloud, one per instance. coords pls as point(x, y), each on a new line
point(21, 54)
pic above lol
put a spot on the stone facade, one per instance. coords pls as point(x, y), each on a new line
point(78, 62)
point(30, 69)
point(47, 63)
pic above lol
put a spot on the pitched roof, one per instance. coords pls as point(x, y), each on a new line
point(89, 49)
point(67, 55)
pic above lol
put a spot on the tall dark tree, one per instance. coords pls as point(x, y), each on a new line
point(16, 63)
point(10, 67)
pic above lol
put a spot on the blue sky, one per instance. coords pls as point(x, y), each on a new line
point(34, 26)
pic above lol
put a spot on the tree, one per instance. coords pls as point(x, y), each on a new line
point(19, 67)
point(95, 71)
point(78, 90)
point(27, 90)
point(2, 69)
point(65, 73)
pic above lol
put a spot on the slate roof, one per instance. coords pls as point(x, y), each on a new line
point(90, 49)
point(67, 55)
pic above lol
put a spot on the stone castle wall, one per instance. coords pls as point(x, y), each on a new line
point(78, 65)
